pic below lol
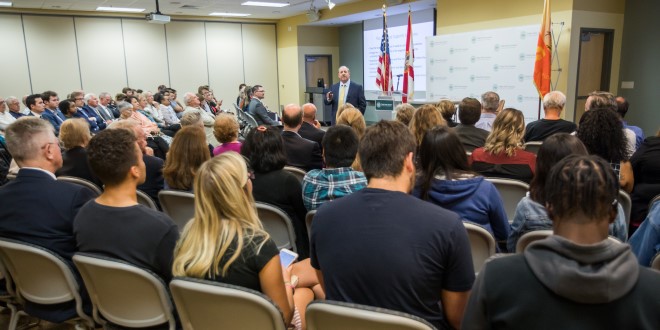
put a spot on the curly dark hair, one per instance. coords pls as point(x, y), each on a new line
point(601, 131)
point(265, 149)
point(111, 154)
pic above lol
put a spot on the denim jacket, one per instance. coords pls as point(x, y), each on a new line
point(645, 241)
point(531, 216)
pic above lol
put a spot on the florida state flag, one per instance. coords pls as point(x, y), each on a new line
point(543, 64)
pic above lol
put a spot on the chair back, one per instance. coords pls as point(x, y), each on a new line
point(41, 276)
point(511, 191)
point(308, 222)
point(334, 315)
point(144, 199)
point(626, 203)
point(209, 305)
point(82, 182)
point(530, 237)
point(278, 224)
point(297, 172)
point(124, 294)
point(179, 205)
point(250, 120)
point(655, 262)
point(482, 244)
point(533, 146)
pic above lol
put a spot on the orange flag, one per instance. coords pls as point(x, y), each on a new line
point(543, 64)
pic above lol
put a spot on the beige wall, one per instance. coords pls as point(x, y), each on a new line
point(97, 54)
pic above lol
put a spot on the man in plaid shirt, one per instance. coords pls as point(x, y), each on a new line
point(338, 179)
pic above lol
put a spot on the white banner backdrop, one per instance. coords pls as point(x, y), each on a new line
point(469, 64)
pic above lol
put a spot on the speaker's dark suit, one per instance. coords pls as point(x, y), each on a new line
point(300, 152)
point(310, 132)
point(355, 97)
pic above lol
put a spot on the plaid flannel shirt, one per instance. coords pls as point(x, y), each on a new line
point(320, 186)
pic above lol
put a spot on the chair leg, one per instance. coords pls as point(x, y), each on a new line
point(16, 316)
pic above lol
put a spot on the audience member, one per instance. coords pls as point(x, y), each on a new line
point(578, 277)
point(257, 109)
point(37, 208)
point(448, 111)
point(605, 100)
point(176, 105)
point(165, 107)
point(240, 100)
point(14, 107)
point(51, 112)
point(531, 213)
point(193, 105)
point(645, 165)
point(225, 130)
point(69, 109)
point(341, 109)
point(78, 97)
point(601, 132)
point(490, 106)
point(404, 113)
point(114, 224)
point(445, 179)
point(503, 156)
point(553, 104)
point(154, 181)
point(192, 119)
point(237, 250)
point(189, 150)
point(103, 113)
point(426, 117)
point(74, 136)
point(209, 103)
point(470, 136)
point(36, 105)
point(337, 179)
point(353, 117)
point(89, 107)
point(622, 110)
point(645, 242)
point(151, 131)
point(300, 152)
point(311, 128)
point(392, 244)
point(106, 106)
point(265, 150)
point(5, 116)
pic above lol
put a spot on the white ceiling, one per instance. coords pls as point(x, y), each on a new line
point(204, 7)
point(182, 7)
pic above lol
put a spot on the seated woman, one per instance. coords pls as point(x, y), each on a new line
point(75, 135)
point(531, 213)
point(426, 117)
point(353, 118)
point(69, 109)
point(503, 155)
point(448, 111)
point(155, 140)
point(646, 168)
point(225, 131)
point(272, 184)
point(601, 131)
point(226, 242)
point(187, 153)
point(445, 179)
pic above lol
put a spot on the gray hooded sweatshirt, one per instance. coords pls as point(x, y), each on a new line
point(557, 284)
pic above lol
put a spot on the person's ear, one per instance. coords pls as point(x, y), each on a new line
point(409, 163)
point(135, 171)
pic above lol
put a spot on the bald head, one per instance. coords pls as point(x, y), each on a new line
point(292, 117)
point(309, 112)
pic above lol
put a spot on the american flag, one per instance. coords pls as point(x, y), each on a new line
point(384, 76)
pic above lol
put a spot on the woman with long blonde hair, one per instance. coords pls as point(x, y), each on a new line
point(226, 242)
point(503, 155)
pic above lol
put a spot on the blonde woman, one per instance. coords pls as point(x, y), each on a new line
point(342, 108)
point(426, 117)
point(226, 242)
point(503, 156)
point(404, 113)
point(353, 117)
point(74, 137)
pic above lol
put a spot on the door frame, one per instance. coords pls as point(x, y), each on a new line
point(329, 57)
point(606, 69)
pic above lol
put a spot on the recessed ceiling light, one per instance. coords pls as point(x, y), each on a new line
point(229, 14)
point(5, 4)
point(265, 4)
point(121, 9)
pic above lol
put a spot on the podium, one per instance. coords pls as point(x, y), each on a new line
point(385, 107)
point(316, 95)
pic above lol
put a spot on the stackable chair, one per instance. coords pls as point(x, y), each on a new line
point(278, 224)
point(179, 205)
point(334, 315)
point(124, 294)
point(208, 305)
point(482, 244)
point(82, 182)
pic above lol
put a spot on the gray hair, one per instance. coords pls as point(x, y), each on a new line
point(490, 101)
point(104, 95)
point(191, 118)
point(26, 136)
point(89, 96)
point(189, 97)
point(11, 99)
point(123, 105)
point(554, 99)
point(129, 124)
point(601, 100)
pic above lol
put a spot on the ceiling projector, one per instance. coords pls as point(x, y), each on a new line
point(158, 18)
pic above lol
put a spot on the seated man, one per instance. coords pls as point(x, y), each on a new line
point(337, 179)
point(490, 105)
point(553, 104)
point(300, 152)
point(576, 278)
point(382, 247)
point(114, 224)
point(311, 128)
point(36, 208)
point(470, 136)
